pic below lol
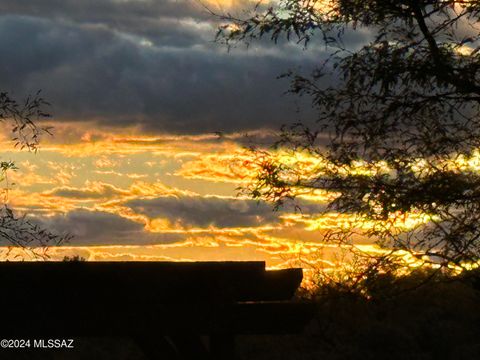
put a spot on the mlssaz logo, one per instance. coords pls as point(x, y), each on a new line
point(53, 343)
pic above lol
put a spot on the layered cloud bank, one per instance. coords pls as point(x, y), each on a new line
point(135, 170)
point(152, 63)
point(147, 198)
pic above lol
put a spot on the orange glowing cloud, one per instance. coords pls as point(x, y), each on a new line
point(174, 189)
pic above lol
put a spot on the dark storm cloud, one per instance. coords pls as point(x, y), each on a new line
point(111, 12)
point(143, 62)
point(212, 211)
point(90, 72)
point(164, 22)
point(206, 211)
point(101, 228)
point(101, 191)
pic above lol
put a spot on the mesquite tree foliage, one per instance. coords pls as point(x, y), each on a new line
point(401, 115)
point(23, 118)
point(18, 231)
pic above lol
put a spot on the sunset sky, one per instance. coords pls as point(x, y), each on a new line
point(138, 89)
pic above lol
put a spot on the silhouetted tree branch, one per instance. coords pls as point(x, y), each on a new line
point(23, 118)
point(18, 231)
point(401, 114)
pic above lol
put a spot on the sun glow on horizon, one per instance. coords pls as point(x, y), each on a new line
point(171, 197)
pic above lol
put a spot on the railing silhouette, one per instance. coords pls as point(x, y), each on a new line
point(188, 310)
